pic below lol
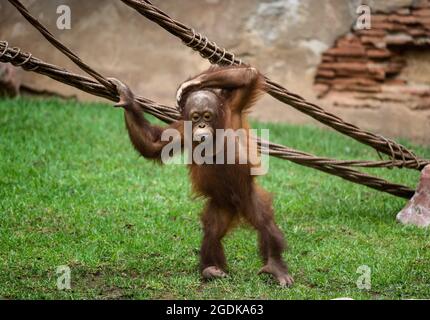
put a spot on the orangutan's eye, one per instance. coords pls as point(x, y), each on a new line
point(207, 116)
point(195, 117)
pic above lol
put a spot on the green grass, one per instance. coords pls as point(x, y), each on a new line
point(73, 192)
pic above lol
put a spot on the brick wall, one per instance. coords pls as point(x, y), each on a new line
point(365, 68)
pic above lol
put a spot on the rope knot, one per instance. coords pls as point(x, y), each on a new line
point(210, 50)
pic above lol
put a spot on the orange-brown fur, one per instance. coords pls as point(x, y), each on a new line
point(230, 190)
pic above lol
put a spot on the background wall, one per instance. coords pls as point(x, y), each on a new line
point(285, 39)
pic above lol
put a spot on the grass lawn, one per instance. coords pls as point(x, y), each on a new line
point(73, 192)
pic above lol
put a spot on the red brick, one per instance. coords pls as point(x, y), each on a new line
point(371, 32)
point(379, 53)
point(363, 59)
point(379, 18)
point(345, 66)
point(402, 19)
point(415, 32)
point(326, 58)
point(350, 51)
point(422, 12)
point(348, 41)
point(396, 82)
point(389, 26)
point(325, 73)
point(357, 87)
point(356, 80)
point(376, 71)
point(424, 20)
point(375, 41)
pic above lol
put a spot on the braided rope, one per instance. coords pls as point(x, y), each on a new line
point(168, 114)
point(103, 89)
point(72, 56)
point(213, 53)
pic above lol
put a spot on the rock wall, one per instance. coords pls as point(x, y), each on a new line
point(385, 69)
point(388, 63)
point(285, 39)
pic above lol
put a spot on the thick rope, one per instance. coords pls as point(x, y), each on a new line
point(72, 56)
point(414, 163)
point(338, 168)
point(327, 165)
point(220, 56)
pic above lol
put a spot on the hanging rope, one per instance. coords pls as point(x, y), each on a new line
point(338, 168)
point(104, 89)
point(220, 56)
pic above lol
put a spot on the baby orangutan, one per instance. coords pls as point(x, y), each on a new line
point(216, 99)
